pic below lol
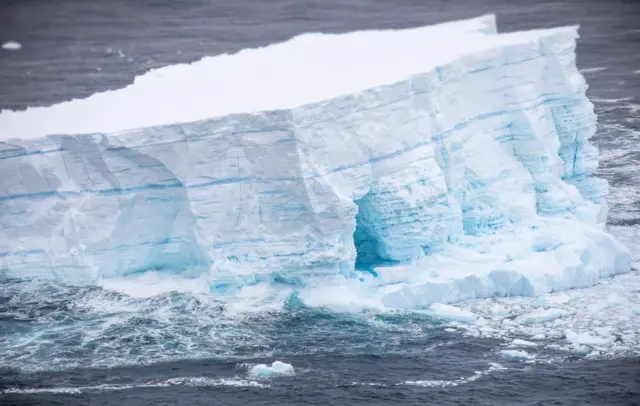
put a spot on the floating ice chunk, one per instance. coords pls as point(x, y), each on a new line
point(594, 354)
point(603, 331)
point(609, 302)
point(616, 300)
point(586, 338)
point(488, 331)
point(621, 348)
point(509, 323)
point(447, 312)
point(517, 355)
point(552, 300)
point(580, 348)
point(276, 368)
point(542, 316)
point(522, 343)
point(11, 46)
point(498, 310)
point(393, 274)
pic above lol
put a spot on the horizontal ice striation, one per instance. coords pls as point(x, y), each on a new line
point(458, 154)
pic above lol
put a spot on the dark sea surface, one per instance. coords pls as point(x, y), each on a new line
point(176, 349)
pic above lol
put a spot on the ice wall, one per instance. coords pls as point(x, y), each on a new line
point(451, 150)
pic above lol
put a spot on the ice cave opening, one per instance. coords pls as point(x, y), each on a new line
point(369, 251)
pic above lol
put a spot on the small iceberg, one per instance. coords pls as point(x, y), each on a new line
point(517, 355)
point(522, 343)
point(11, 46)
point(585, 338)
point(276, 368)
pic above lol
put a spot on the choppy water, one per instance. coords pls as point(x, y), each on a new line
point(130, 342)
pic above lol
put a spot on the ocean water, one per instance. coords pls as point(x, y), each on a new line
point(132, 342)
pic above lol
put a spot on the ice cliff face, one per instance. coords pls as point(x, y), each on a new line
point(457, 154)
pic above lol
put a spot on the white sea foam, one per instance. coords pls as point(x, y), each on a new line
point(456, 382)
point(593, 70)
point(197, 381)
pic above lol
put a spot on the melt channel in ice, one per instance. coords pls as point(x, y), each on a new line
point(444, 163)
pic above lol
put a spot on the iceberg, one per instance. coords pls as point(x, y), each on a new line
point(11, 46)
point(431, 164)
point(266, 371)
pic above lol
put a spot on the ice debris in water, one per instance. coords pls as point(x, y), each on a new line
point(542, 316)
point(519, 355)
point(552, 300)
point(11, 46)
point(493, 366)
point(611, 301)
point(181, 381)
point(587, 339)
point(448, 312)
point(599, 321)
point(276, 368)
point(522, 343)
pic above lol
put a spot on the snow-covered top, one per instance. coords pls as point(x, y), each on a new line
point(305, 69)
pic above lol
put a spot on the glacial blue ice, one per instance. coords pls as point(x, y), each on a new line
point(266, 371)
point(395, 168)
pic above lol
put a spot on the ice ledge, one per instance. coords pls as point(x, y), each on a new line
point(560, 255)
